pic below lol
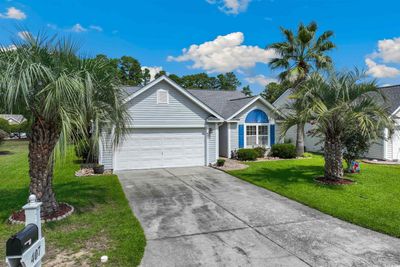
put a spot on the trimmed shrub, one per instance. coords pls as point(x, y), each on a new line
point(220, 162)
point(245, 154)
point(260, 151)
point(284, 151)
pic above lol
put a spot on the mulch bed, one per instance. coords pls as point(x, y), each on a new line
point(64, 211)
point(323, 180)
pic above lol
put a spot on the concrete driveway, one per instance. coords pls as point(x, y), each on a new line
point(201, 216)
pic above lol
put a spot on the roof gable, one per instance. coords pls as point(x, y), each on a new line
point(134, 92)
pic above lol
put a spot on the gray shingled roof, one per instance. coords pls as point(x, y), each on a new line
point(15, 117)
point(225, 103)
point(131, 89)
point(392, 94)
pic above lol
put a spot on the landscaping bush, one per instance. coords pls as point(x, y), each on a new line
point(285, 151)
point(260, 151)
point(307, 155)
point(245, 154)
point(220, 162)
point(3, 135)
point(4, 125)
point(82, 150)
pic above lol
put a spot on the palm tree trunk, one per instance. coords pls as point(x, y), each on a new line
point(333, 158)
point(300, 140)
point(41, 146)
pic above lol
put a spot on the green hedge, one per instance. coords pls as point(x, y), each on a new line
point(220, 162)
point(260, 151)
point(245, 154)
point(285, 151)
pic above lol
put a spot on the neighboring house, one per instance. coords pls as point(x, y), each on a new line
point(13, 118)
point(383, 149)
point(175, 127)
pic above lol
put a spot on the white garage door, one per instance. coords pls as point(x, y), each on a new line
point(158, 148)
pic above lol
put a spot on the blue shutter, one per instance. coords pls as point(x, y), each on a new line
point(272, 135)
point(241, 136)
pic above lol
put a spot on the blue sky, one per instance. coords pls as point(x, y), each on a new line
point(156, 31)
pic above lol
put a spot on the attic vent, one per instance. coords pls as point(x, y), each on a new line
point(162, 96)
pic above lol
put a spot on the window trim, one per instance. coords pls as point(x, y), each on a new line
point(268, 145)
point(158, 96)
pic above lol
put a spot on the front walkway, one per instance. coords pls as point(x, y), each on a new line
point(202, 216)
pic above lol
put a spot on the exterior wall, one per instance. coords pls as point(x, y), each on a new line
point(179, 112)
point(145, 111)
point(106, 151)
point(376, 151)
point(389, 149)
point(212, 143)
point(234, 133)
point(223, 140)
point(233, 126)
point(396, 145)
point(396, 140)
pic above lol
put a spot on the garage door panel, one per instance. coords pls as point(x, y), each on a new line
point(157, 148)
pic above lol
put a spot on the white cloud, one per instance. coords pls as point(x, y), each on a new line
point(24, 35)
point(96, 28)
point(261, 80)
point(153, 70)
point(8, 48)
point(388, 50)
point(78, 28)
point(13, 13)
point(380, 70)
point(231, 6)
point(225, 53)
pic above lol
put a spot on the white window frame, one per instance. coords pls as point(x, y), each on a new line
point(158, 96)
point(268, 145)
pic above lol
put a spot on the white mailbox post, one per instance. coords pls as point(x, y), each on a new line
point(32, 250)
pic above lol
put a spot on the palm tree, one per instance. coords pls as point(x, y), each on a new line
point(298, 56)
point(335, 104)
point(44, 79)
point(104, 107)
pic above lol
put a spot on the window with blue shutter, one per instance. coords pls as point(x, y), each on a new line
point(241, 136)
point(272, 135)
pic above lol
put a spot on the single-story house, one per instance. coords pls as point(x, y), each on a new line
point(13, 118)
point(383, 149)
point(175, 127)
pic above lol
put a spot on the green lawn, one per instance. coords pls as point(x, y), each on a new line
point(373, 202)
point(102, 224)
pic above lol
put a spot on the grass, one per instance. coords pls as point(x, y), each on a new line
point(373, 202)
point(103, 223)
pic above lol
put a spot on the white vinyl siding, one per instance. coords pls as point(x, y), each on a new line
point(212, 144)
point(180, 110)
point(376, 151)
point(168, 134)
point(106, 151)
point(233, 127)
